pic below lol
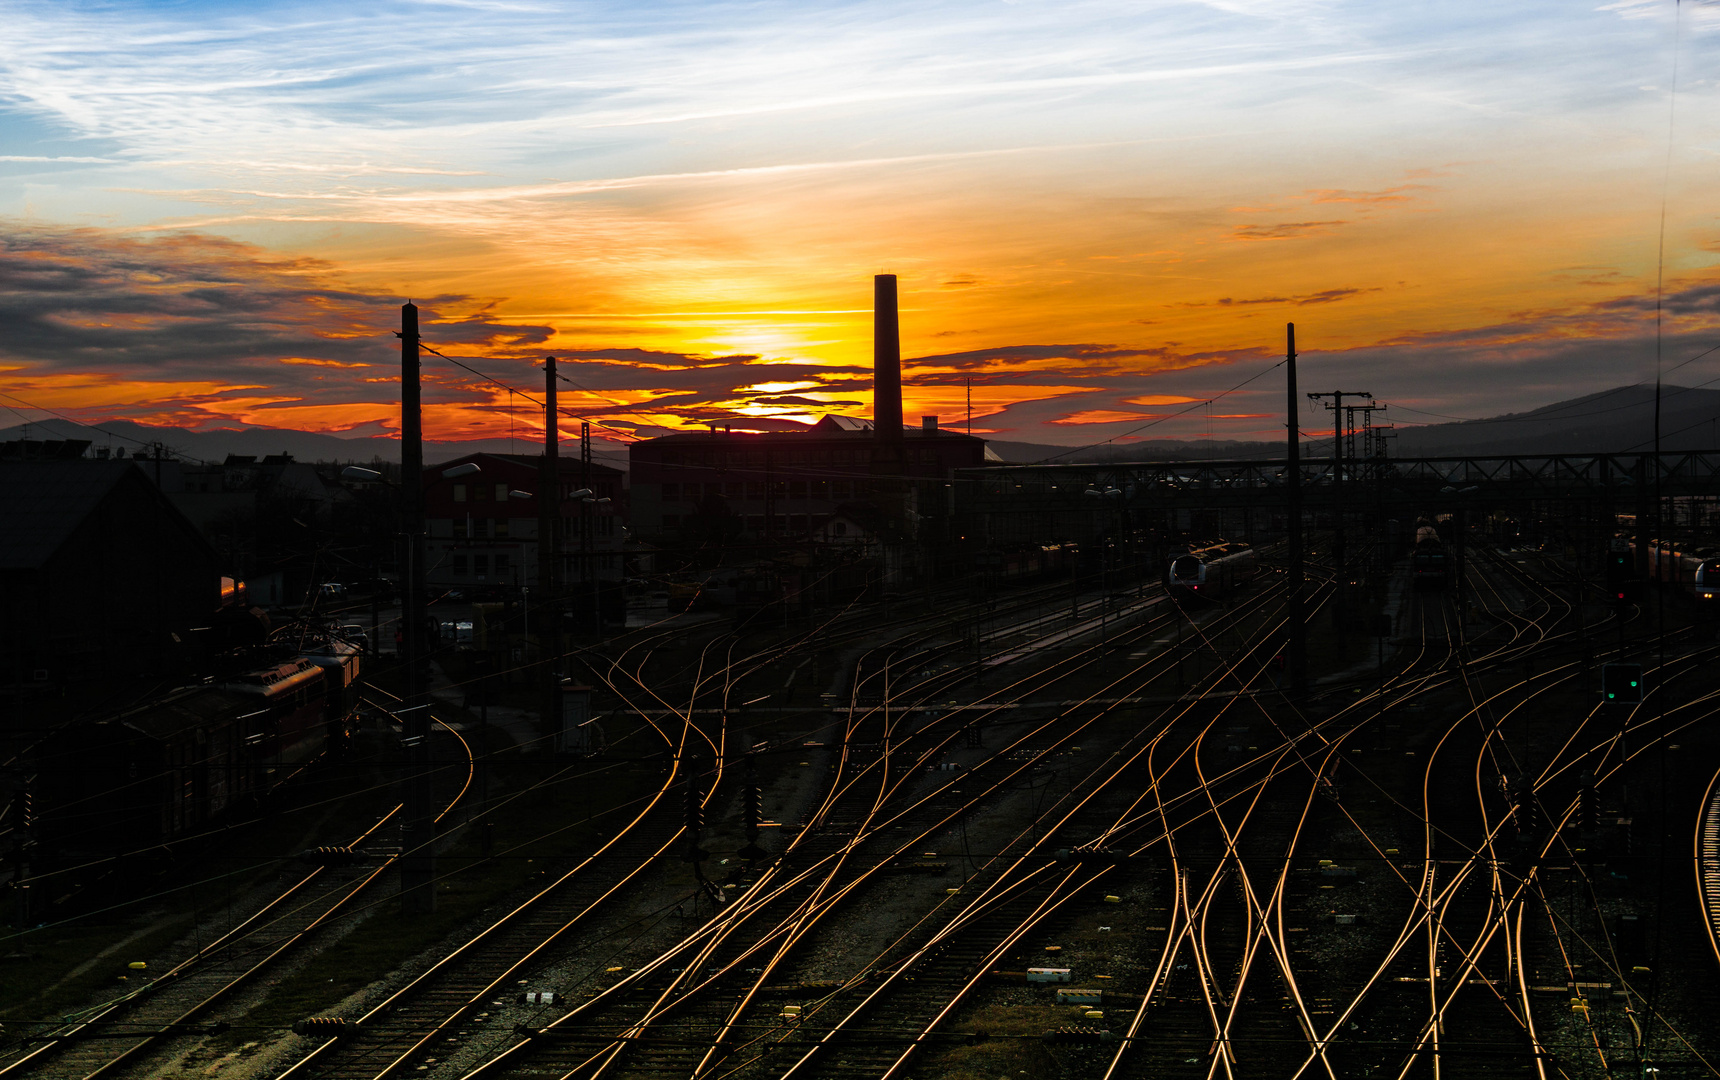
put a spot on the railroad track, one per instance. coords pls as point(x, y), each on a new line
point(125, 1034)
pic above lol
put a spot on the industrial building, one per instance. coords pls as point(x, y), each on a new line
point(837, 477)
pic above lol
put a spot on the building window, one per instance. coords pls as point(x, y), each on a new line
point(501, 493)
point(480, 528)
point(671, 492)
point(460, 528)
point(797, 489)
point(690, 492)
point(839, 489)
point(755, 491)
point(820, 489)
point(459, 566)
point(459, 492)
point(480, 565)
point(480, 493)
point(501, 528)
point(501, 563)
point(838, 528)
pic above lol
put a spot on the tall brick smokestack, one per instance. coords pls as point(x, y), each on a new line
point(886, 360)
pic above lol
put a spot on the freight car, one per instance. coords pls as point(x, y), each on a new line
point(191, 760)
point(1215, 570)
point(1029, 561)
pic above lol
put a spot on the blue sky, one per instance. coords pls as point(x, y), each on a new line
point(1095, 208)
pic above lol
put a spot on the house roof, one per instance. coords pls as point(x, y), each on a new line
point(43, 502)
point(820, 432)
point(837, 422)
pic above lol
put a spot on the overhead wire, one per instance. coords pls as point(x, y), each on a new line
point(1168, 416)
point(97, 427)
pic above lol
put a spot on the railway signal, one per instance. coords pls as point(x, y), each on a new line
point(1527, 810)
point(1586, 812)
point(1618, 572)
point(695, 818)
point(23, 814)
point(1621, 684)
point(752, 812)
point(331, 856)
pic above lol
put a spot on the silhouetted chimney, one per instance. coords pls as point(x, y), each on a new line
point(929, 425)
point(886, 360)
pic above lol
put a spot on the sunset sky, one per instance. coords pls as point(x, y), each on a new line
point(1103, 213)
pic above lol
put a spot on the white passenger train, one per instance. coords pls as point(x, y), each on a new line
point(1215, 570)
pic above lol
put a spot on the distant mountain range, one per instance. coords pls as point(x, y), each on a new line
point(302, 445)
point(1619, 420)
point(1616, 420)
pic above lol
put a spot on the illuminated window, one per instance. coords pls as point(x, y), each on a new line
point(459, 492)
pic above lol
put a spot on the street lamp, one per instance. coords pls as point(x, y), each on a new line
point(1115, 495)
point(418, 828)
point(360, 473)
point(585, 548)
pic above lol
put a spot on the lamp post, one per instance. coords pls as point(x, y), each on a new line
point(1114, 496)
point(585, 576)
point(418, 830)
point(1458, 571)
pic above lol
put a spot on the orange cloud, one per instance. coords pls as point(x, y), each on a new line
point(1103, 416)
point(1160, 399)
point(1369, 198)
point(1284, 230)
point(313, 362)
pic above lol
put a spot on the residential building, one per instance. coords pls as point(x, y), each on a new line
point(98, 571)
point(483, 528)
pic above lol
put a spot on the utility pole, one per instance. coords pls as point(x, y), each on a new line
point(586, 524)
point(1297, 661)
point(1337, 407)
point(1364, 467)
point(418, 830)
point(549, 513)
point(1340, 553)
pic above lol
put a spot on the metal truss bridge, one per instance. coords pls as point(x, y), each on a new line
point(1495, 482)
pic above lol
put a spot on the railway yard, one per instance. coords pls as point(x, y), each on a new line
point(1083, 831)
